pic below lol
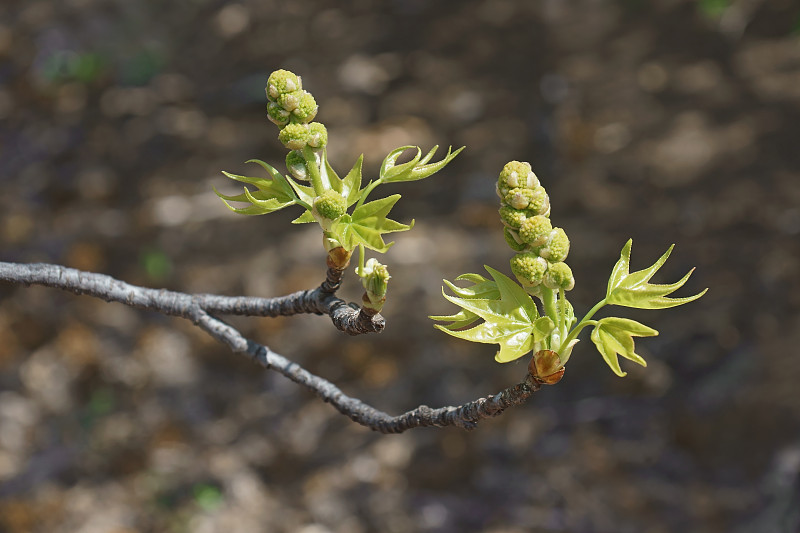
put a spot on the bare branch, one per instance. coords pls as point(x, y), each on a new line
point(197, 308)
point(346, 317)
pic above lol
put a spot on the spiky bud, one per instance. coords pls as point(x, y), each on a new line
point(529, 268)
point(306, 108)
point(516, 174)
point(296, 165)
point(277, 115)
point(282, 81)
point(535, 230)
point(513, 240)
point(294, 136)
point(556, 247)
point(513, 218)
point(330, 204)
point(559, 276)
point(317, 135)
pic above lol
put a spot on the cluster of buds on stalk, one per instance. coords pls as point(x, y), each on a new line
point(375, 279)
point(525, 213)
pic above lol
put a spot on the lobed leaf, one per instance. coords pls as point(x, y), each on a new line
point(634, 290)
point(614, 335)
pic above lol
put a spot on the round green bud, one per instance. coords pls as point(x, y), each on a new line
point(330, 204)
point(317, 135)
point(306, 108)
point(529, 268)
point(282, 81)
point(556, 247)
point(535, 230)
point(539, 203)
point(519, 198)
point(290, 101)
point(512, 240)
point(277, 115)
point(559, 276)
point(296, 165)
point(516, 174)
point(513, 218)
point(294, 136)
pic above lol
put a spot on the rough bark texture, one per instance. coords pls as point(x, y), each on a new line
point(347, 317)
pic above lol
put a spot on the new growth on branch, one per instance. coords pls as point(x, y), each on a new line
point(529, 316)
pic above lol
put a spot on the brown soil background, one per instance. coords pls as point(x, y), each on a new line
point(666, 121)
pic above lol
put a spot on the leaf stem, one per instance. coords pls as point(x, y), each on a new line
point(585, 321)
point(361, 260)
point(368, 189)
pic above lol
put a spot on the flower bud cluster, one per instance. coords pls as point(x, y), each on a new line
point(292, 109)
point(525, 213)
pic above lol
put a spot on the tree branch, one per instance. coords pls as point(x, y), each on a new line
point(198, 309)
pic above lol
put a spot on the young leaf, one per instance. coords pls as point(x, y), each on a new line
point(481, 289)
point(510, 316)
point(614, 336)
point(351, 185)
point(418, 170)
point(368, 224)
point(305, 218)
point(634, 290)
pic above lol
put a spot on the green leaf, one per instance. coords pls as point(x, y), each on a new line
point(368, 224)
point(305, 218)
point(390, 159)
point(272, 194)
point(509, 314)
point(614, 336)
point(635, 290)
point(304, 193)
point(329, 176)
point(416, 169)
point(351, 185)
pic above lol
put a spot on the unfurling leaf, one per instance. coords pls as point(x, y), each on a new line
point(508, 312)
point(367, 224)
point(634, 290)
point(614, 336)
point(416, 169)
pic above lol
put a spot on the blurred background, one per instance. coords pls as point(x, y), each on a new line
point(663, 120)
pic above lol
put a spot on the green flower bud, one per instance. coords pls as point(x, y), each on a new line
point(540, 202)
point(277, 115)
point(282, 81)
point(519, 198)
point(513, 240)
point(556, 247)
point(559, 276)
point(330, 204)
point(306, 108)
point(296, 165)
point(535, 230)
point(375, 279)
point(294, 136)
point(513, 218)
point(317, 135)
point(516, 174)
point(529, 268)
point(290, 101)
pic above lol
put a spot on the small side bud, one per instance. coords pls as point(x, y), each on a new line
point(375, 279)
point(529, 268)
point(294, 136)
point(512, 218)
point(535, 230)
point(513, 240)
point(280, 82)
point(296, 165)
point(317, 135)
point(559, 276)
point(546, 367)
point(306, 108)
point(330, 204)
point(556, 247)
point(277, 115)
